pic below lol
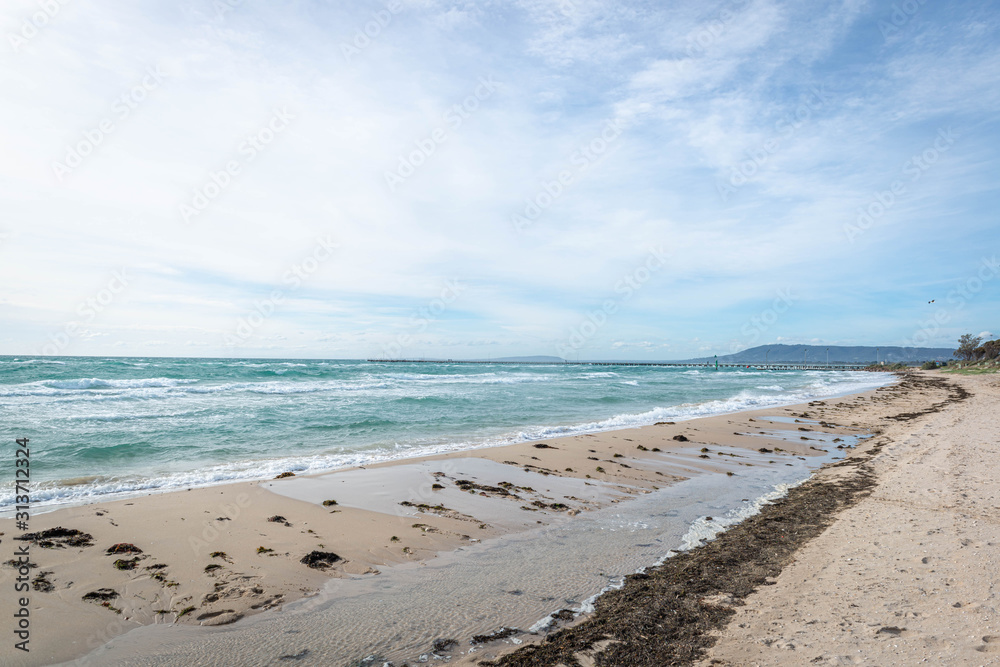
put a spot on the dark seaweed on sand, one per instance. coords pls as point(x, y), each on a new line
point(665, 616)
point(320, 559)
point(58, 537)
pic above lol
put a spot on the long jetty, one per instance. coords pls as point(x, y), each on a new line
point(768, 366)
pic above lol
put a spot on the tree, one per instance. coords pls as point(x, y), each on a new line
point(967, 345)
point(989, 350)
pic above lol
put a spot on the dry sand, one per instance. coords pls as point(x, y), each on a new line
point(907, 576)
point(212, 556)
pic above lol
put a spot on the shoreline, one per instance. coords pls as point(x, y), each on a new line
point(448, 449)
point(719, 604)
point(213, 575)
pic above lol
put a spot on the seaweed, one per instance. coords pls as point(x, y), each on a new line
point(320, 560)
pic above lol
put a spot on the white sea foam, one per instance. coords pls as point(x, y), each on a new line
point(86, 387)
point(704, 529)
point(98, 383)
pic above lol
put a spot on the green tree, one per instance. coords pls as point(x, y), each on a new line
point(967, 344)
point(989, 350)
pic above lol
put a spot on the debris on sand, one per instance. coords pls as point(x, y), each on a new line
point(58, 537)
point(123, 548)
point(320, 559)
point(285, 474)
point(496, 635)
point(442, 645)
point(123, 564)
point(101, 594)
point(42, 584)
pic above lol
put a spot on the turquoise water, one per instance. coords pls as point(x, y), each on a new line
point(109, 427)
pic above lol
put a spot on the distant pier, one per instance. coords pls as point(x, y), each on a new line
point(764, 367)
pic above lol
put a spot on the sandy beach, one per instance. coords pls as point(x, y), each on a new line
point(213, 556)
point(886, 558)
point(906, 576)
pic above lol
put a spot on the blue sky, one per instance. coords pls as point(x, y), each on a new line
point(422, 178)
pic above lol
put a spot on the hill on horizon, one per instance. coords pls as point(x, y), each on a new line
point(793, 354)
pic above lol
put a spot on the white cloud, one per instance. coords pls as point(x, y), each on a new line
point(699, 93)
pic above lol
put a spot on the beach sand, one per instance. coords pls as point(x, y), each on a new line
point(215, 555)
point(888, 557)
point(909, 574)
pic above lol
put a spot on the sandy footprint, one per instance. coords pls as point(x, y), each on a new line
point(991, 644)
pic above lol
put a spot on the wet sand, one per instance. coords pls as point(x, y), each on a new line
point(216, 555)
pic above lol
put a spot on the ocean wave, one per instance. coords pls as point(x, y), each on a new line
point(483, 378)
point(98, 383)
point(162, 387)
point(27, 362)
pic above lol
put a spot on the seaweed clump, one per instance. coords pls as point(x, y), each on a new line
point(58, 537)
point(320, 560)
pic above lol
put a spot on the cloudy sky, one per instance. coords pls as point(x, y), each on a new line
point(588, 178)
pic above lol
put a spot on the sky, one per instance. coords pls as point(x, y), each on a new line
point(589, 179)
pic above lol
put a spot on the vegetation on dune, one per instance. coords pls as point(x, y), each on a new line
point(975, 356)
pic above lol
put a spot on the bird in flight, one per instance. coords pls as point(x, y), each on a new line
point(932, 301)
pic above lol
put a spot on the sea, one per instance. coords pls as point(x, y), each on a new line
point(108, 428)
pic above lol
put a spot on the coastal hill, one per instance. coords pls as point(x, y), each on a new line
point(838, 354)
